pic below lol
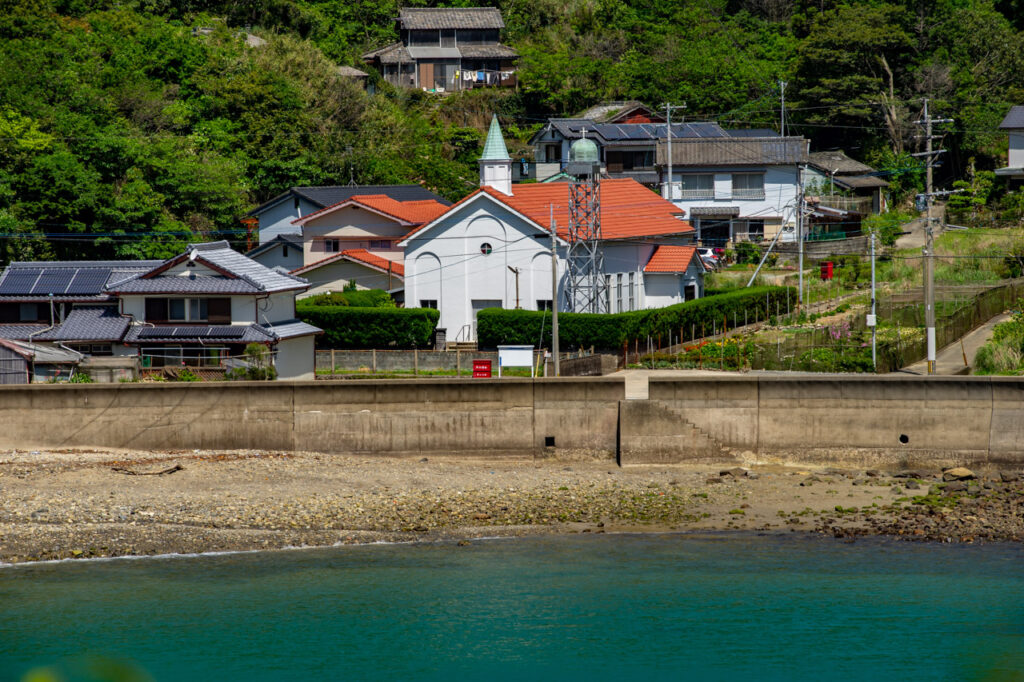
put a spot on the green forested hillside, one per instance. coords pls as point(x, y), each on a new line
point(125, 133)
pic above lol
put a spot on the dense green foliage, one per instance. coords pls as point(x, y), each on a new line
point(350, 327)
point(1004, 354)
point(126, 132)
point(357, 298)
point(496, 326)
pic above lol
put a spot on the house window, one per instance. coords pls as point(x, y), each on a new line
point(380, 244)
point(697, 186)
point(755, 230)
point(428, 303)
point(618, 161)
point(748, 185)
point(32, 312)
point(332, 245)
point(284, 251)
point(544, 304)
point(486, 249)
point(176, 309)
point(213, 310)
point(553, 153)
point(448, 37)
point(618, 295)
point(632, 291)
point(608, 293)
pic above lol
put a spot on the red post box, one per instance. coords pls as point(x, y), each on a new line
point(826, 270)
point(481, 369)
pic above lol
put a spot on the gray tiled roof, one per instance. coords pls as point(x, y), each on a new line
point(770, 151)
point(394, 53)
point(329, 195)
point(20, 331)
point(416, 18)
point(291, 329)
point(90, 323)
point(838, 162)
point(496, 51)
point(245, 276)
point(572, 128)
point(215, 284)
point(1014, 119)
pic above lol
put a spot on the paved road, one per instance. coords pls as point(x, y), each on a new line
point(916, 237)
point(950, 360)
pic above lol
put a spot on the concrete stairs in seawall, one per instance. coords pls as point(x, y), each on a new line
point(651, 432)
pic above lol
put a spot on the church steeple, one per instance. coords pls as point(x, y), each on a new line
point(495, 163)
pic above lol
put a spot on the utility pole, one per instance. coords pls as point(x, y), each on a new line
point(928, 265)
point(782, 116)
point(872, 319)
point(554, 290)
point(666, 187)
point(515, 271)
point(800, 234)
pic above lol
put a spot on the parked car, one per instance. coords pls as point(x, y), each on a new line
point(709, 256)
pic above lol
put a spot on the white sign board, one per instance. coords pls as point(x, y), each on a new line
point(872, 320)
point(515, 356)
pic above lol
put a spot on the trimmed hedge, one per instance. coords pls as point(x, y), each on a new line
point(361, 298)
point(350, 327)
point(496, 326)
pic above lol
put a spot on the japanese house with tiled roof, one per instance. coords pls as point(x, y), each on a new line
point(492, 249)
point(1013, 124)
point(200, 308)
point(447, 49)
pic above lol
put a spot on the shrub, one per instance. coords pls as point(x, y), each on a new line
point(364, 298)
point(496, 326)
point(259, 367)
point(747, 252)
point(81, 377)
point(188, 375)
point(351, 327)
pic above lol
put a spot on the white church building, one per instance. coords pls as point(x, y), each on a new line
point(493, 248)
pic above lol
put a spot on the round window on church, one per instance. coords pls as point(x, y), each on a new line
point(486, 249)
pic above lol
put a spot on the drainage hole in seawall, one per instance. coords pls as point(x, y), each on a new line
point(549, 441)
point(904, 438)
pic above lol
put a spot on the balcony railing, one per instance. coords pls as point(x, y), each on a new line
point(748, 194)
point(695, 193)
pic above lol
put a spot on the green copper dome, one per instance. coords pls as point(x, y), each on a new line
point(584, 151)
point(494, 146)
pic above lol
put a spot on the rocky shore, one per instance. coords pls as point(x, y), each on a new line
point(80, 504)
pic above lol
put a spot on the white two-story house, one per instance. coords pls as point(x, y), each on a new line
point(735, 188)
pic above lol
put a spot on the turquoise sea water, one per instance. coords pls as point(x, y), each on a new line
point(607, 607)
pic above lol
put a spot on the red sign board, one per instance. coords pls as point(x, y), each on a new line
point(481, 369)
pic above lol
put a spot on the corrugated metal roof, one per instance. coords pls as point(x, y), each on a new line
point(433, 52)
point(775, 151)
point(420, 18)
point(496, 51)
point(1014, 119)
point(41, 353)
point(89, 323)
point(291, 329)
point(714, 211)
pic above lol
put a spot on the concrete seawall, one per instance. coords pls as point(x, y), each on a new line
point(849, 419)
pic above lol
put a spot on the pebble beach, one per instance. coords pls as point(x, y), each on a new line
point(85, 504)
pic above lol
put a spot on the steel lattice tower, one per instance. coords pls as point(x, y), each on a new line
point(585, 284)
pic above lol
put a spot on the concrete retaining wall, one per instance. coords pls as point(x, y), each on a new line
point(850, 419)
point(472, 418)
point(854, 420)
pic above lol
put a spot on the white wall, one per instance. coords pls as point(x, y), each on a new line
point(294, 358)
point(1016, 150)
point(275, 307)
point(780, 189)
point(447, 265)
point(665, 289)
point(278, 218)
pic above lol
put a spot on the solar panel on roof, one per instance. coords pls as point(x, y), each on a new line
point(233, 332)
point(19, 281)
point(89, 281)
point(53, 281)
point(154, 332)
